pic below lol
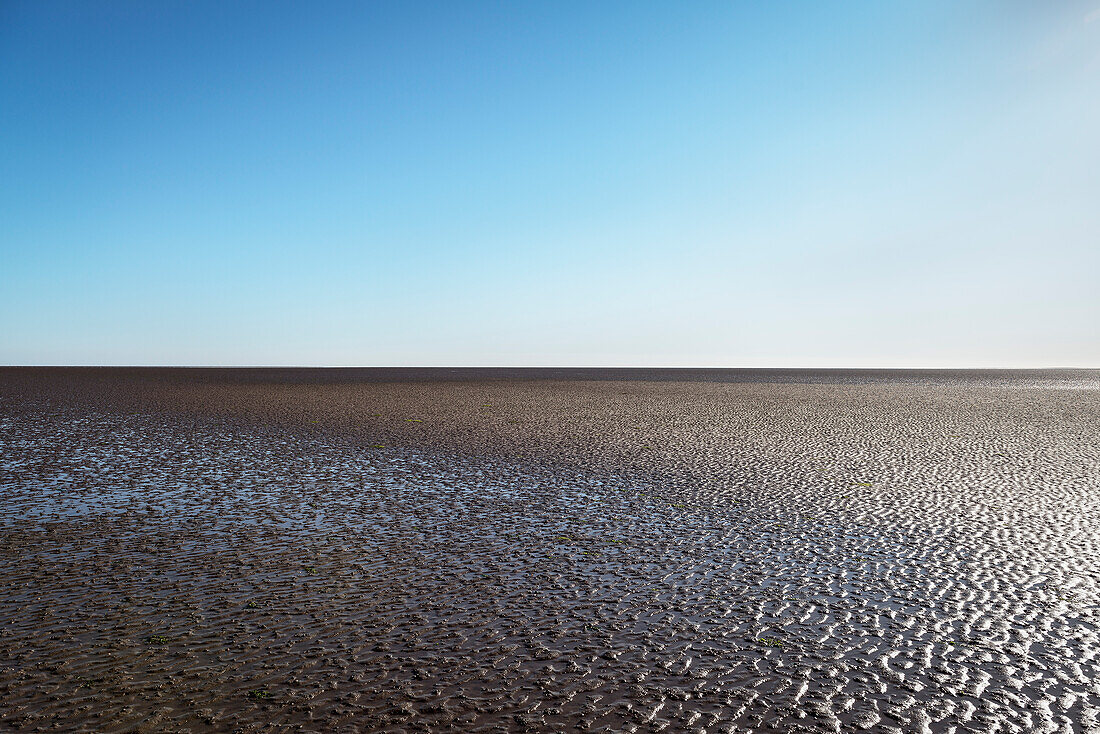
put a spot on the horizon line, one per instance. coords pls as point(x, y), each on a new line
point(524, 367)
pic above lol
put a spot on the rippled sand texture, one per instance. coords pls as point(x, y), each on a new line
point(785, 557)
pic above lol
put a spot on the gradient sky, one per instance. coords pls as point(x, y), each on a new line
point(806, 184)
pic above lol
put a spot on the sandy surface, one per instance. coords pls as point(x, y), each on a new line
point(524, 550)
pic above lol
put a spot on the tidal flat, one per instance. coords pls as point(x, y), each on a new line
point(462, 550)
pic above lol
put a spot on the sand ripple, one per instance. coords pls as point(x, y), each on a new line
point(174, 575)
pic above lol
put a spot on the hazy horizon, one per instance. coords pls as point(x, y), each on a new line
point(535, 368)
point(826, 186)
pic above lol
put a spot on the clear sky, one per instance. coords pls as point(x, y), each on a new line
point(550, 183)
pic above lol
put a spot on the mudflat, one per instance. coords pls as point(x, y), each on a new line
point(559, 550)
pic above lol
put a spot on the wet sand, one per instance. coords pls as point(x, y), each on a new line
point(435, 550)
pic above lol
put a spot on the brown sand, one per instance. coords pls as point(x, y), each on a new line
point(700, 550)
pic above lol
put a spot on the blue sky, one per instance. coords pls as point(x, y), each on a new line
point(708, 183)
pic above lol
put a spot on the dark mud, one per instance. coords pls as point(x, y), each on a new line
point(901, 554)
